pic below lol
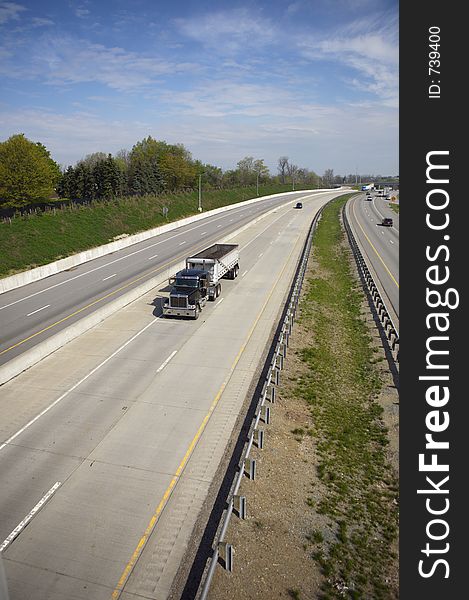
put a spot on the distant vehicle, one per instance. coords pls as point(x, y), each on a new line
point(200, 280)
point(367, 187)
point(298, 205)
point(386, 222)
point(380, 192)
point(369, 197)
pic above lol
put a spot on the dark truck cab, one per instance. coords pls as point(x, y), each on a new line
point(201, 280)
point(188, 293)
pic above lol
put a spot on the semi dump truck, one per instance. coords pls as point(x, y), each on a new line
point(200, 280)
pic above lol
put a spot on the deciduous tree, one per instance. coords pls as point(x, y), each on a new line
point(27, 172)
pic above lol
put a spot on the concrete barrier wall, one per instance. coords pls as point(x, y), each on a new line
point(20, 279)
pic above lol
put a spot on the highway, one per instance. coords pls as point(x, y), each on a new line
point(379, 245)
point(109, 446)
point(32, 313)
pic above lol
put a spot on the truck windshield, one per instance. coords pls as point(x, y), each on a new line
point(182, 282)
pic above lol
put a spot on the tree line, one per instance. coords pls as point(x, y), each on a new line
point(29, 175)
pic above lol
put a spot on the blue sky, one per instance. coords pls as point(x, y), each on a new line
point(315, 80)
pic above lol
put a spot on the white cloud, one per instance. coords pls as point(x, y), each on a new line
point(71, 137)
point(317, 137)
point(10, 10)
point(41, 22)
point(229, 31)
point(65, 60)
point(368, 46)
point(293, 8)
point(81, 12)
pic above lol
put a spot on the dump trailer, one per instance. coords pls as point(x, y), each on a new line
point(200, 280)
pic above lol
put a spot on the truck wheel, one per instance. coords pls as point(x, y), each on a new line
point(197, 312)
point(218, 289)
point(236, 271)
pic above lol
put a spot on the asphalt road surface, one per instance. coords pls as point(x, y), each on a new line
point(108, 447)
point(379, 244)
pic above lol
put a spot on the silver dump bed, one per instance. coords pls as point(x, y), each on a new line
point(218, 260)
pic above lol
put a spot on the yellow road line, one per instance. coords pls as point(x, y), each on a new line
point(371, 244)
point(160, 268)
point(154, 519)
point(74, 313)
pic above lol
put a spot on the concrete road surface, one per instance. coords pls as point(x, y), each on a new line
point(31, 314)
point(109, 445)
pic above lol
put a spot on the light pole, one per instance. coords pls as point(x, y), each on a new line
point(200, 192)
point(257, 182)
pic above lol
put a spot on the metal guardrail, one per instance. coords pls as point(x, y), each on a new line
point(390, 330)
point(222, 551)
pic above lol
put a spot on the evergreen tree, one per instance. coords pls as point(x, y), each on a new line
point(84, 182)
point(66, 184)
point(107, 177)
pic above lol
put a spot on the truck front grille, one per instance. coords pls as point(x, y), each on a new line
point(178, 301)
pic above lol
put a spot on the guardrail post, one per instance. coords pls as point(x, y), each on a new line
point(259, 438)
point(250, 468)
point(225, 555)
point(239, 506)
point(270, 393)
point(276, 376)
point(265, 413)
point(279, 361)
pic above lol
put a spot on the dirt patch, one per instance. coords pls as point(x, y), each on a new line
point(273, 545)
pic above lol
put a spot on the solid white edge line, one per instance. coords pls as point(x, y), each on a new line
point(78, 276)
point(65, 394)
point(243, 274)
point(19, 528)
point(218, 303)
point(35, 311)
point(166, 361)
point(215, 218)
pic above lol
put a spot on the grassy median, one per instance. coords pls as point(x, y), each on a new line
point(341, 383)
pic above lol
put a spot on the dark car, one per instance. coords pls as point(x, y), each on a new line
point(386, 222)
point(298, 205)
